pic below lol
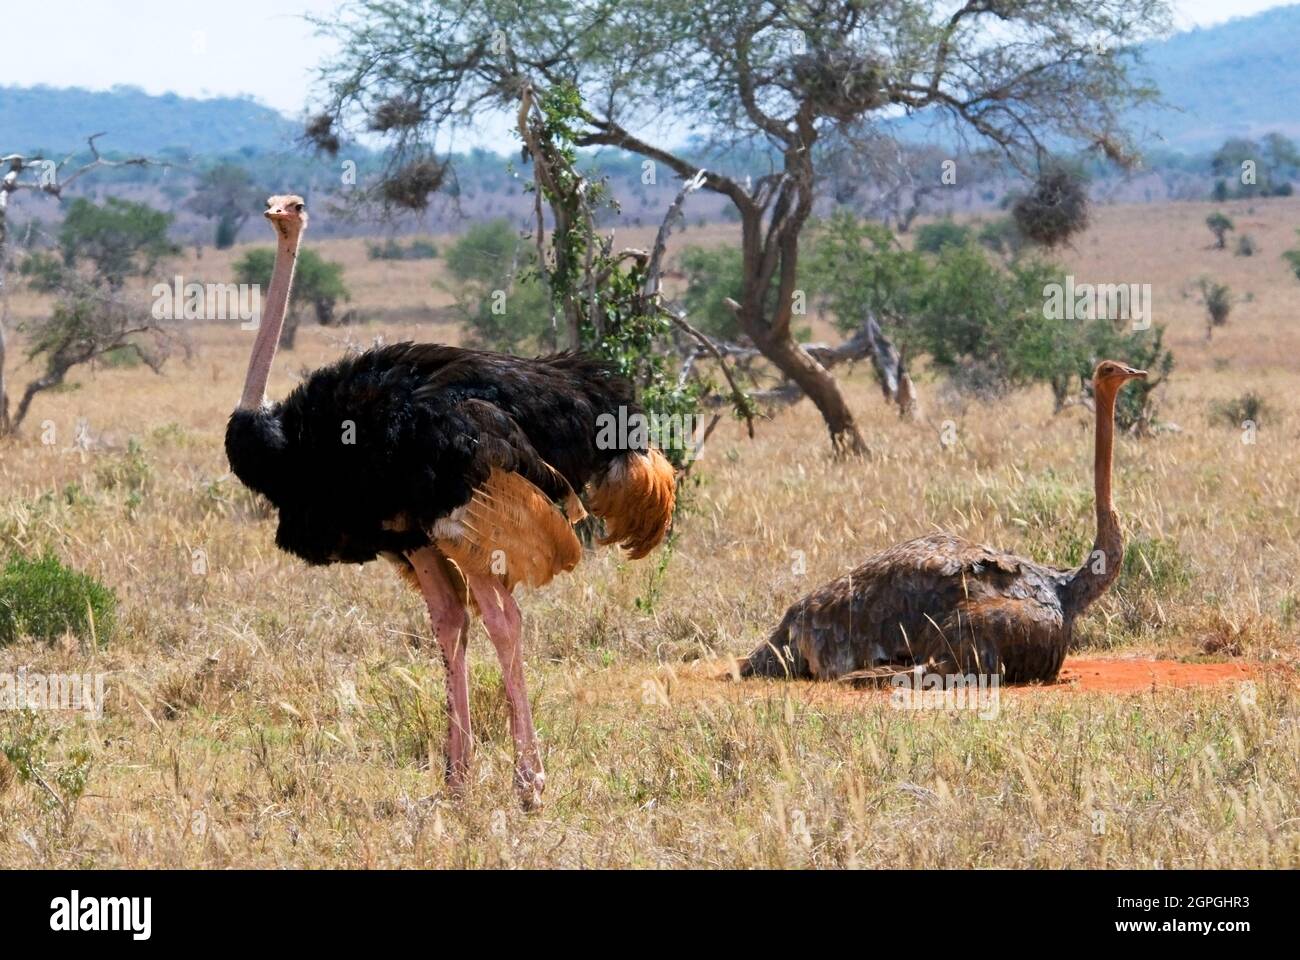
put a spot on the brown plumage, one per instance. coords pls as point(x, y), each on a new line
point(509, 529)
point(948, 605)
point(635, 499)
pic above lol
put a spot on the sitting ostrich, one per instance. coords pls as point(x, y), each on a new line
point(944, 604)
point(460, 467)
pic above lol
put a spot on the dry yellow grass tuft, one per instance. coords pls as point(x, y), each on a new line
point(260, 713)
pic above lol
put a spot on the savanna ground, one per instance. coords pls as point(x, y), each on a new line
point(265, 714)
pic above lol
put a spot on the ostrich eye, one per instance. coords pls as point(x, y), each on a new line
point(298, 207)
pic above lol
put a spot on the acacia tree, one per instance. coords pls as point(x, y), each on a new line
point(1017, 74)
point(226, 193)
point(44, 176)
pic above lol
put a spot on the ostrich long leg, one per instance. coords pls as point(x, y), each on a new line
point(449, 621)
point(501, 618)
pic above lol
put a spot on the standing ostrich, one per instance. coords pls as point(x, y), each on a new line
point(945, 604)
point(460, 467)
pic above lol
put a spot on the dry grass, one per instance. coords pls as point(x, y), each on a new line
point(266, 714)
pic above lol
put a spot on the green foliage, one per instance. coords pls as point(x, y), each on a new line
point(619, 324)
point(26, 746)
point(43, 599)
point(119, 237)
point(1002, 236)
point(44, 272)
point(1217, 298)
point(488, 253)
point(858, 267)
point(1152, 565)
point(227, 230)
point(130, 471)
point(1250, 406)
point(712, 275)
point(985, 324)
point(504, 303)
point(1219, 225)
point(513, 318)
point(227, 193)
point(316, 281)
point(1292, 257)
point(933, 237)
point(979, 320)
point(1143, 349)
point(1271, 161)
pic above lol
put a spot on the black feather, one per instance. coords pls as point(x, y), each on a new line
point(427, 423)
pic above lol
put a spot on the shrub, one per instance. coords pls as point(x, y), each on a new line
point(316, 281)
point(504, 304)
point(43, 599)
point(933, 237)
point(1002, 236)
point(1233, 413)
point(1219, 226)
point(712, 275)
point(1292, 257)
point(1217, 298)
point(486, 252)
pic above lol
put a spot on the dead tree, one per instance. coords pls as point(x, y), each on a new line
point(41, 175)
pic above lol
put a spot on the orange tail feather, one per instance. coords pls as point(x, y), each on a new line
point(635, 498)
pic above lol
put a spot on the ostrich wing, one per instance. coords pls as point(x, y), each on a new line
point(511, 526)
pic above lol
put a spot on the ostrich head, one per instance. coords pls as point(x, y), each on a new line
point(288, 214)
point(1111, 374)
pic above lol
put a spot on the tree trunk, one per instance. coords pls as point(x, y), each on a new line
point(820, 387)
point(52, 379)
point(289, 332)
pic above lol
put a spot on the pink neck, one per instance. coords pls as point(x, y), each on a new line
point(268, 331)
point(1102, 565)
point(1102, 462)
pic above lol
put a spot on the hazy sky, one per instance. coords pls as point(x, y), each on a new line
point(208, 48)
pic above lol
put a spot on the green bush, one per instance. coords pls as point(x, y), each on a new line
point(712, 275)
point(43, 599)
point(1219, 226)
point(933, 237)
point(487, 252)
point(1233, 413)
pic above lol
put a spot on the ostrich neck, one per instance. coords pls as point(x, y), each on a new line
point(1100, 568)
point(268, 331)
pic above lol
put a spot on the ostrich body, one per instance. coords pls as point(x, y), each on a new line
point(947, 605)
point(460, 467)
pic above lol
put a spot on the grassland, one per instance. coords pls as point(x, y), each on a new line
point(260, 713)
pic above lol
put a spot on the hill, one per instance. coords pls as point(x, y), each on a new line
point(1240, 78)
point(33, 118)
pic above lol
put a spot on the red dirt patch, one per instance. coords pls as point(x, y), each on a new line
point(1136, 675)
